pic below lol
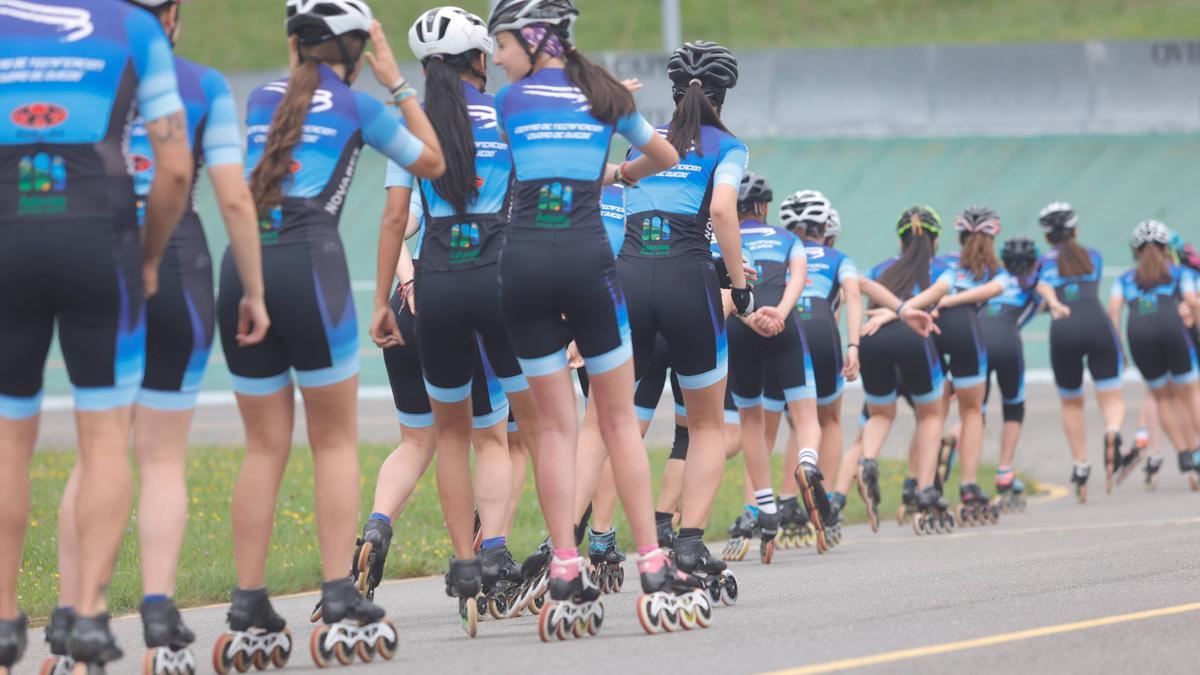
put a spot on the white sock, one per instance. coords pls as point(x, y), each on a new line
point(808, 456)
point(766, 500)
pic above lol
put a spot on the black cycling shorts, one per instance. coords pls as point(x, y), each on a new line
point(896, 354)
point(752, 356)
point(961, 346)
point(825, 348)
point(180, 320)
point(1086, 334)
point(1161, 347)
point(1005, 358)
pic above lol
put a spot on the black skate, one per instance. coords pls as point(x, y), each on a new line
point(354, 626)
point(1079, 477)
point(465, 582)
point(666, 536)
point(501, 580)
point(91, 644)
point(257, 636)
point(816, 502)
point(671, 599)
point(975, 507)
point(1152, 467)
point(1129, 462)
point(535, 576)
point(168, 640)
point(740, 535)
point(1113, 462)
point(833, 528)
point(693, 557)
point(606, 560)
point(908, 501)
point(768, 524)
point(946, 454)
point(868, 489)
point(58, 663)
point(574, 606)
point(12, 642)
point(933, 513)
point(1010, 492)
point(1189, 465)
point(366, 569)
point(795, 530)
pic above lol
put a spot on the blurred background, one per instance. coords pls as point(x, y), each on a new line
point(878, 103)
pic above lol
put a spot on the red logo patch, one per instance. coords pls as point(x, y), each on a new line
point(38, 115)
point(295, 167)
point(479, 182)
point(142, 163)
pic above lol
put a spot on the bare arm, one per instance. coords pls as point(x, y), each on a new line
point(1057, 309)
point(384, 330)
point(431, 163)
point(168, 193)
point(854, 309)
point(1115, 304)
point(930, 296)
point(797, 276)
point(723, 211)
point(241, 222)
point(974, 296)
point(657, 155)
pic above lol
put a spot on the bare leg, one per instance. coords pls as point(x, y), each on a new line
point(1175, 428)
point(102, 506)
point(755, 451)
point(970, 438)
point(332, 414)
point(17, 438)
point(848, 469)
point(927, 437)
point(612, 393)
point(830, 418)
point(519, 455)
point(399, 473)
point(604, 504)
point(160, 442)
point(68, 544)
point(875, 433)
point(706, 459)
point(554, 454)
point(268, 421)
point(1112, 407)
point(1072, 419)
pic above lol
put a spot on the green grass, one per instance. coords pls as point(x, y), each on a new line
point(237, 35)
point(421, 545)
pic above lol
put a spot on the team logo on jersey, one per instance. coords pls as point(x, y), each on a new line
point(479, 182)
point(1148, 304)
point(77, 21)
point(295, 166)
point(38, 116)
point(269, 228)
point(464, 243)
point(142, 163)
point(1071, 292)
point(42, 183)
point(656, 236)
point(554, 206)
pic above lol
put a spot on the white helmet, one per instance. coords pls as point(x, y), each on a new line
point(448, 30)
point(154, 4)
point(803, 208)
point(1058, 216)
point(833, 227)
point(330, 18)
point(1150, 232)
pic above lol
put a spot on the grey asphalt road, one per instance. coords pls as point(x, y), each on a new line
point(1110, 586)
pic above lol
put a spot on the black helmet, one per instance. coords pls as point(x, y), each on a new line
point(925, 215)
point(754, 190)
point(1019, 253)
point(710, 63)
point(1058, 216)
point(517, 14)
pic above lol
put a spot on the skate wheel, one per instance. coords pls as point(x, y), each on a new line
point(650, 620)
point(713, 586)
point(822, 541)
point(468, 613)
point(687, 618)
point(729, 591)
point(343, 654)
point(363, 565)
point(703, 609)
point(240, 662)
point(767, 551)
point(497, 606)
point(386, 646)
point(546, 628)
point(260, 660)
point(321, 656)
point(281, 654)
point(918, 524)
point(595, 621)
point(365, 652)
point(318, 613)
point(620, 579)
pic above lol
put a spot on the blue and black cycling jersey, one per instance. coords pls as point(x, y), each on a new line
point(1086, 333)
point(771, 250)
point(828, 269)
point(668, 213)
point(72, 76)
point(1017, 305)
point(939, 270)
point(896, 358)
point(1074, 289)
point(1159, 341)
point(612, 211)
point(1001, 320)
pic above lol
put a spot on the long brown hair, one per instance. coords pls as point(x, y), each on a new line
point(446, 106)
point(693, 111)
point(287, 124)
point(978, 256)
point(912, 269)
point(1153, 267)
point(610, 100)
point(1073, 259)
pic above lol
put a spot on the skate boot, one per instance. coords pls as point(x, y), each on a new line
point(908, 501)
point(91, 644)
point(606, 560)
point(354, 626)
point(535, 575)
point(574, 607)
point(465, 582)
point(1152, 467)
point(768, 524)
point(868, 489)
point(796, 531)
point(12, 642)
point(816, 502)
point(975, 507)
point(671, 599)
point(1079, 477)
point(1189, 465)
point(693, 557)
point(666, 535)
point(933, 513)
point(1129, 462)
point(1010, 491)
point(257, 636)
point(366, 570)
point(740, 535)
point(833, 530)
point(1113, 462)
point(58, 663)
point(168, 640)
point(501, 579)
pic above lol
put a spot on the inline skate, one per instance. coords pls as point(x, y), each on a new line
point(366, 570)
point(535, 576)
point(666, 535)
point(12, 642)
point(816, 502)
point(768, 524)
point(168, 640)
point(477, 534)
point(58, 663)
point(671, 599)
point(606, 560)
point(501, 579)
point(975, 507)
point(1113, 462)
point(465, 582)
point(91, 644)
point(946, 454)
point(574, 606)
point(1189, 465)
point(933, 513)
point(833, 529)
point(868, 490)
point(693, 557)
point(1129, 462)
point(1079, 477)
point(1152, 467)
point(1010, 492)
point(795, 530)
point(908, 501)
point(740, 535)
point(257, 636)
point(354, 626)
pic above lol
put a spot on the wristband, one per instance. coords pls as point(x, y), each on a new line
point(623, 177)
point(402, 95)
point(900, 308)
point(402, 84)
point(852, 344)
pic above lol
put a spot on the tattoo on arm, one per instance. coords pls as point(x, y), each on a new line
point(170, 129)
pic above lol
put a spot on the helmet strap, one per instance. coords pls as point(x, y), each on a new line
point(349, 63)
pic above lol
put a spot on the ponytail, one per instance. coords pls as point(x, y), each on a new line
point(610, 100)
point(287, 126)
point(1153, 267)
point(979, 256)
point(446, 108)
point(693, 111)
point(912, 269)
point(1073, 260)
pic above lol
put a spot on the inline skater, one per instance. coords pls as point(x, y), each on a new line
point(1000, 322)
point(832, 276)
point(1068, 282)
point(299, 181)
point(179, 329)
point(1158, 340)
point(555, 264)
point(71, 260)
